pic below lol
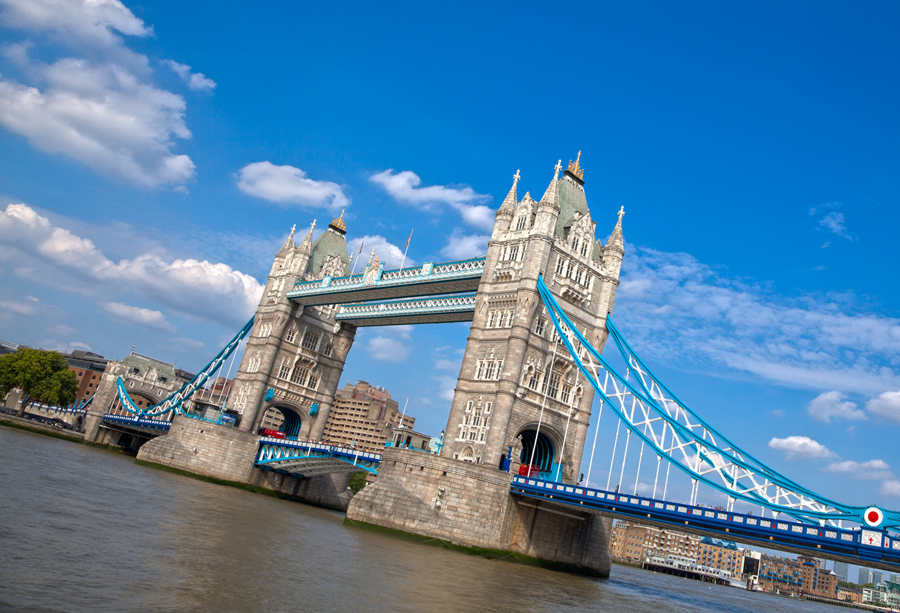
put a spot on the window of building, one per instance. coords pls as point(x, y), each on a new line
point(584, 248)
point(299, 375)
point(520, 223)
point(329, 349)
point(292, 333)
point(310, 340)
point(539, 326)
point(285, 370)
point(534, 380)
point(514, 253)
point(560, 265)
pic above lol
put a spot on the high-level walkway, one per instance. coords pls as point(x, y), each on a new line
point(378, 284)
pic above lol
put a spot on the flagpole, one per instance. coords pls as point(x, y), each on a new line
point(357, 257)
point(406, 250)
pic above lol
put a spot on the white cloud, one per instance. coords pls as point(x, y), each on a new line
point(14, 306)
point(886, 406)
point(289, 185)
point(448, 385)
point(103, 112)
point(464, 246)
point(677, 310)
point(835, 222)
point(104, 116)
point(137, 315)
point(445, 364)
point(388, 346)
point(387, 252)
point(405, 187)
point(386, 349)
point(187, 343)
point(92, 22)
point(202, 289)
point(62, 330)
point(891, 488)
point(55, 345)
point(828, 405)
point(197, 81)
point(871, 470)
point(800, 447)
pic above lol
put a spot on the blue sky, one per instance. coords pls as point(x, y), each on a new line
point(153, 157)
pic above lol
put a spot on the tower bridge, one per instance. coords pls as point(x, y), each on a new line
point(532, 375)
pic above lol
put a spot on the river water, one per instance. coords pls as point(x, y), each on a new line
point(83, 529)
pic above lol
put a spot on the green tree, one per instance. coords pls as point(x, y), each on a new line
point(357, 481)
point(42, 375)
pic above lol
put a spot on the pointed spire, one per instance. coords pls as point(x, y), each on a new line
point(289, 243)
point(616, 239)
point(551, 196)
point(509, 204)
point(306, 245)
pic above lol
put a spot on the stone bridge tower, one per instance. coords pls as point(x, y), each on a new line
point(295, 354)
point(509, 371)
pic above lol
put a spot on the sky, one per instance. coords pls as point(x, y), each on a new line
point(154, 156)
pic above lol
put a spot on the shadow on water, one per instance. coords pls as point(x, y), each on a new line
point(82, 529)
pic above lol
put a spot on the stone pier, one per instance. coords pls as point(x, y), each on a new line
point(229, 454)
point(470, 505)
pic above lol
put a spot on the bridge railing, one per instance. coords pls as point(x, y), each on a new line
point(342, 452)
point(426, 273)
point(417, 306)
point(872, 543)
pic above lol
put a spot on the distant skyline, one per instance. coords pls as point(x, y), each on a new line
point(153, 157)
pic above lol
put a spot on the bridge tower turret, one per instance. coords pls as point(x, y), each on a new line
point(295, 355)
point(509, 371)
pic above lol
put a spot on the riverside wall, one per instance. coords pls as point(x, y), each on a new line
point(470, 505)
point(228, 454)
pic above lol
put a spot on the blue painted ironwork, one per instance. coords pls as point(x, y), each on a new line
point(866, 544)
point(137, 422)
point(306, 459)
point(413, 280)
point(675, 433)
point(175, 400)
point(460, 304)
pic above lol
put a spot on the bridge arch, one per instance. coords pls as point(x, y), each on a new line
point(294, 418)
point(140, 398)
point(547, 441)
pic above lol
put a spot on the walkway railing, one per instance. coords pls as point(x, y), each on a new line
point(398, 308)
point(427, 273)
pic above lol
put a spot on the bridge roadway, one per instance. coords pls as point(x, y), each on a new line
point(305, 459)
point(871, 547)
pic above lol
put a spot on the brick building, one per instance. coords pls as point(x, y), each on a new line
point(722, 555)
point(634, 543)
point(88, 368)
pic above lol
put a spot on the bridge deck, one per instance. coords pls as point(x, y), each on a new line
point(444, 309)
point(428, 280)
point(876, 548)
point(305, 459)
point(141, 424)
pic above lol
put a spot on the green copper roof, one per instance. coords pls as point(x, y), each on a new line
point(328, 244)
point(571, 200)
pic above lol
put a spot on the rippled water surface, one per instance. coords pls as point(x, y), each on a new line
point(88, 530)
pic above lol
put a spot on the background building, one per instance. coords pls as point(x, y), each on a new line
point(634, 543)
point(364, 415)
point(842, 570)
point(865, 576)
point(721, 555)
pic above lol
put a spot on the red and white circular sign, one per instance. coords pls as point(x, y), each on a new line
point(873, 516)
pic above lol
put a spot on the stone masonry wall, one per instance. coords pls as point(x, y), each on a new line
point(473, 499)
point(470, 504)
point(563, 534)
point(229, 454)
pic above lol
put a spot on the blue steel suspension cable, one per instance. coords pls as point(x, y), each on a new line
point(174, 400)
point(775, 479)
